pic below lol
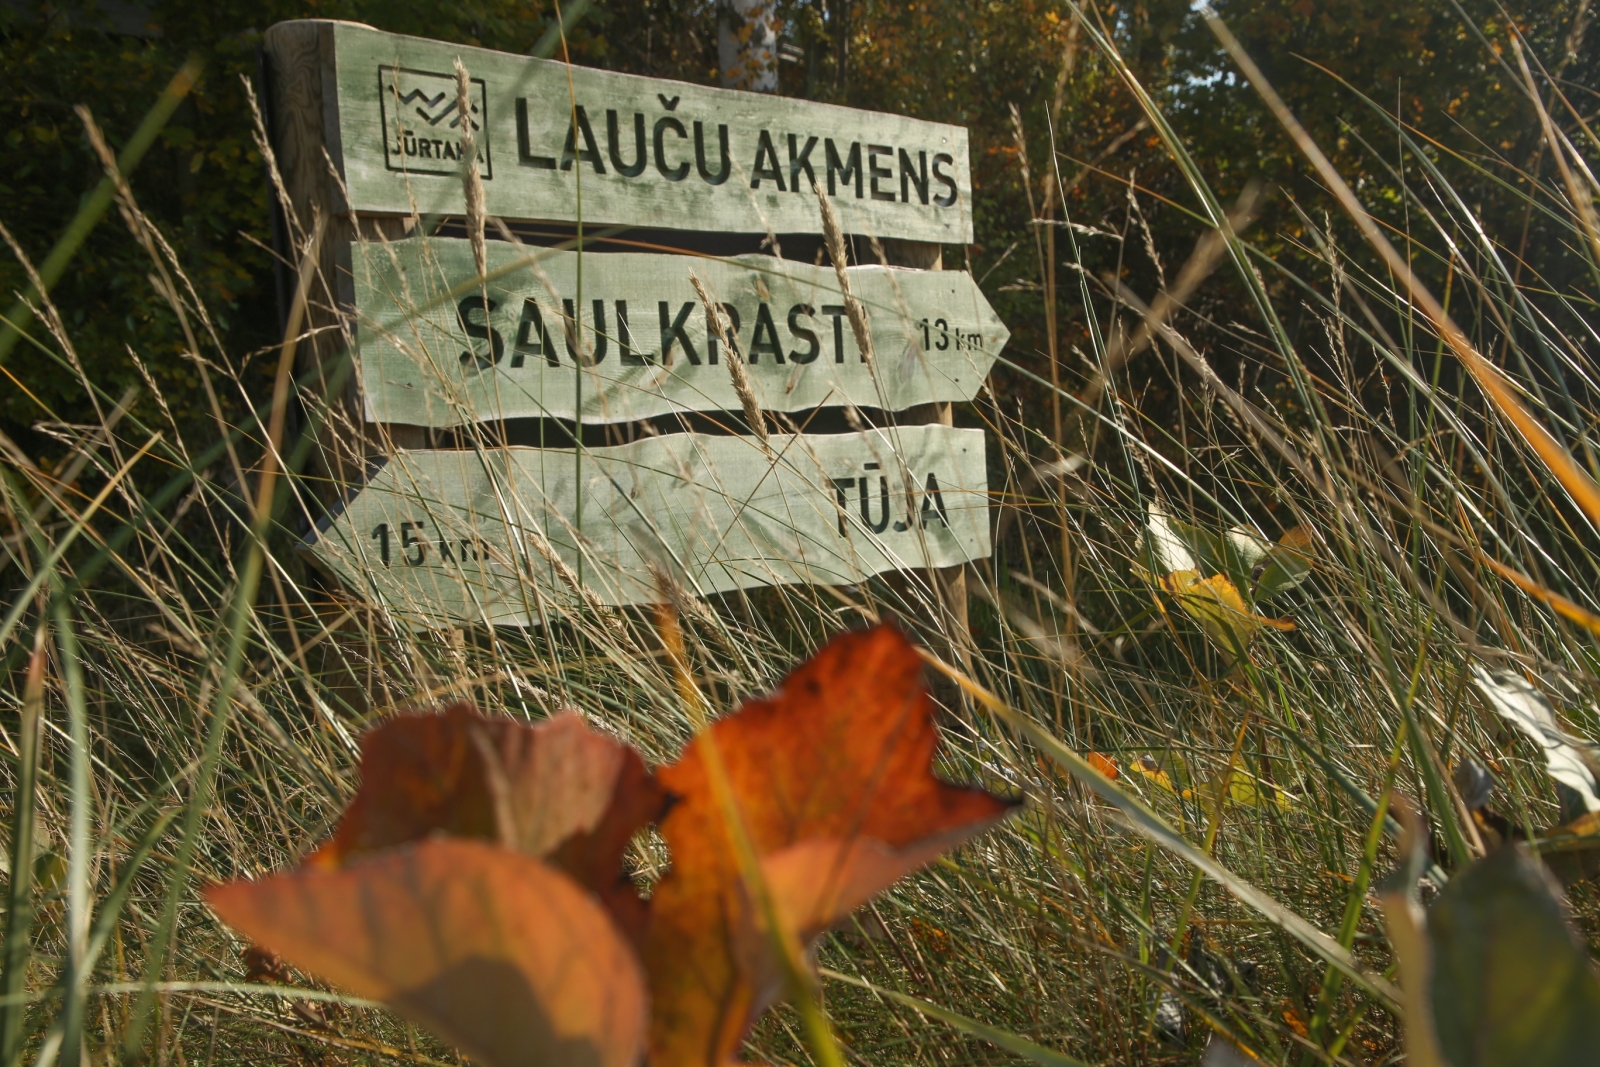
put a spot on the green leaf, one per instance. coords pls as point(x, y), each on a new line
point(1288, 564)
point(1512, 983)
point(49, 871)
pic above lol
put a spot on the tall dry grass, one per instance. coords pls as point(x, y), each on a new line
point(184, 691)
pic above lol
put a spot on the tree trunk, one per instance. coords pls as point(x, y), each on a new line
point(747, 45)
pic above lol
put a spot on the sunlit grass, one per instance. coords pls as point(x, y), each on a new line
point(197, 716)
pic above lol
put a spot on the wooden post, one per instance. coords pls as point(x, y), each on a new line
point(299, 66)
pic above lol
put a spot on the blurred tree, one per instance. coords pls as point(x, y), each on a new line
point(203, 183)
point(1441, 65)
point(1437, 62)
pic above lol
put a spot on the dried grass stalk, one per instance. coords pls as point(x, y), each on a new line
point(471, 180)
point(736, 368)
point(836, 252)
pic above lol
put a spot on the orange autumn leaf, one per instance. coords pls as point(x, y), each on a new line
point(475, 881)
point(558, 791)
point(833, 780)
point(1105, 765)
point(504, 956)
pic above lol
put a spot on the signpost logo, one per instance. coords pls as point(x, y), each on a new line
point(422, 122)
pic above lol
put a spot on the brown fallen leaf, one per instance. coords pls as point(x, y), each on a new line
point(263, 967)
point(833, 779)
point(498, 953)
point(558, 791)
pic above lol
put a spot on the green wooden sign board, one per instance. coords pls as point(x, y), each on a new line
point(431, 356)
point(560, 143)
point(451, 536)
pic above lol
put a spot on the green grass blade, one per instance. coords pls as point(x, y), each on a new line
point(1005, 1039)
point(95, 205)
point(1147, 822)
point(19, 917)
point(80, 842)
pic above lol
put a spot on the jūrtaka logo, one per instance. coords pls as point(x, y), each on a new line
point(422, 121)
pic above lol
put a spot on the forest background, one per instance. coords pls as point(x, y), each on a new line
point(1439, 64)
point(1431, 543)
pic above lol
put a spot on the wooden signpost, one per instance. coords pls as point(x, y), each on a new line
point(559, 142)
point(368, 129)
point(430, 357)
point(459, 535)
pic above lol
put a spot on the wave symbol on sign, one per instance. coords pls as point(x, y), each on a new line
point(426, 112)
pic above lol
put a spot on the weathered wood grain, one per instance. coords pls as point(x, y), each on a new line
point(561, 143)
point(949, 583)
point(302, 98)
point(461, 536)
point(430, 357)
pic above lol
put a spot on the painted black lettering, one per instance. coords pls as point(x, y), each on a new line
point(497, 344)
point(673, 332)
point(836, 312)
point(408, 540)
point(681, 171)
point(799, 161)
point(933, 503)
point(381, 532)
point(700, 154)
point(630, 355)
point(764, 337)
point(569, 328)
point(882, 522)
point(731, 315)
point(600, 339)
point(944, 334)
point(640, 156)
point(766, 165)
point(875, 172)
point(444, 551)
point(944, 199)
point(908, 176)
point(803, 333)
point(841, 491)
point(849, 168)
point(590, 152)
point(532, 337)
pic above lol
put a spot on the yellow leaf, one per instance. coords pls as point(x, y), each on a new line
point(1146, 765)
point(1244, 790)
point(1216, 605)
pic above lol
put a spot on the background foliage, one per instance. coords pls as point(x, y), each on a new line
point(1440, 64)
point(1270, 748)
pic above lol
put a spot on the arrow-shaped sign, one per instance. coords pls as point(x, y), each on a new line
point(494, 536)
point(633, 340)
